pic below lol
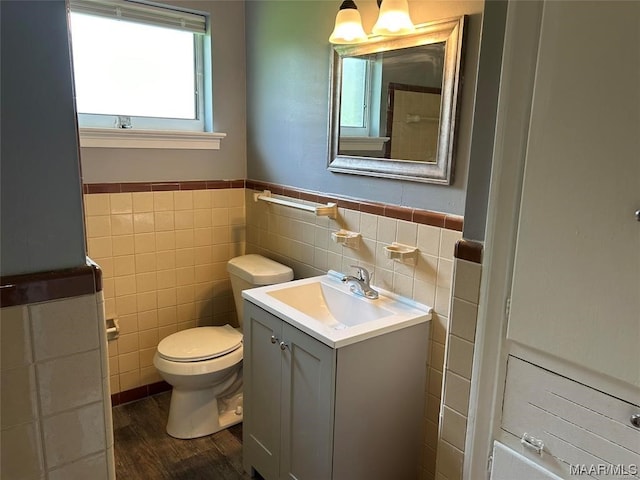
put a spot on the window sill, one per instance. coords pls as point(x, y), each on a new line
point(123, 138)
point(353, 143)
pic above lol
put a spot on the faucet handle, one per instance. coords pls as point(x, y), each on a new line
point(363, 273)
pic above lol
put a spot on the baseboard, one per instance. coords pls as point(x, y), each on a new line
point(139, 393)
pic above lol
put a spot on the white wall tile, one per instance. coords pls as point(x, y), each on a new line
point(448, 239)
point(456, 393)
point(424, 292)
point(407, 233)
point(387, 229)
point(437, 357)
point(21, 453)
point(467, 280)
point(434, 386)
point(454, 427)
point(460, 356)
point(439, 325)
point(427, 268)
point(18, 396)
point(449, 462)
point(463, 319)
point(445, 273)
point(443, 299)
point(428, 241)
point(15, 337)
point(368, 225)
point(403, 285)
point(93, 467)
point(431, 434)
point(64, 327)
point(72, 435)
point(69, 382)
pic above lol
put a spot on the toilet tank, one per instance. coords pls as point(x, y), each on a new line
point(249, 271)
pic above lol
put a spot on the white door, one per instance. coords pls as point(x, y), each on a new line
point(576, 283)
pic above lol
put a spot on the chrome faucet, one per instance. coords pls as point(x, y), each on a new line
point(360, 283)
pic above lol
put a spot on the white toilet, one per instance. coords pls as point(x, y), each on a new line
point(204, 364)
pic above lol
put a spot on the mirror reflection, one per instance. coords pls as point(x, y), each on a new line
point(393, 104)
point(390, 103)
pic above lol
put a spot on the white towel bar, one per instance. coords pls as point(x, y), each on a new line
point(329, 210)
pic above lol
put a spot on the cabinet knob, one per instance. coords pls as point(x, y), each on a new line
point(274, 339)
point(635, 420)
point(284, 346)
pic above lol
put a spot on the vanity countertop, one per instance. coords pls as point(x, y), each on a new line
point(325, 308)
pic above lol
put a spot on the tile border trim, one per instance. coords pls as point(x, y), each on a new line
point(469, 250)
point(53, 285)
point(425, 217)
point(127, 187)
point(139, 393)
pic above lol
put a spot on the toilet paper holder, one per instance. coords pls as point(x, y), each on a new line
point(113, 328)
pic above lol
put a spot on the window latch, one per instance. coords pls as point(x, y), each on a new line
point(123, 122)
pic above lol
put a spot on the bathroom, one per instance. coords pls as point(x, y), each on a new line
point(162, 223)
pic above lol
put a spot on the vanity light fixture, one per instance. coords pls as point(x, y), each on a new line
point(348, 28)
point(393, 20)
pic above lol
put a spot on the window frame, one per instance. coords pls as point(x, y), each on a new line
point(118, 122)
point(365, 104)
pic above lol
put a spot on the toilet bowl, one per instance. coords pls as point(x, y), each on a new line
point(204, 364)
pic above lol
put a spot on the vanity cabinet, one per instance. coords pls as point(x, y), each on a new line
point(312, 412)
point(287, 399)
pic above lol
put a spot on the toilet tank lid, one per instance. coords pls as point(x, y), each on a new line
point(200, 343)
point(259, 270)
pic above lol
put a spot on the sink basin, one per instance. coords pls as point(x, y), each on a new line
point(330, 305)
point(327, 310)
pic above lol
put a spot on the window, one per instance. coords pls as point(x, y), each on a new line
point(137, 65)
point(355, 93)
point(359, 107)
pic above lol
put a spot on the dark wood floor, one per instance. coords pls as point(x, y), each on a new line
point(144, 451)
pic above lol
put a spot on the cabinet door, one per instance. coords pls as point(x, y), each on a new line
point(577, 266)
point(307, 407)
point(262, 370)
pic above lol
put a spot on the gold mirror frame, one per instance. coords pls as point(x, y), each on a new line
point(449, 31)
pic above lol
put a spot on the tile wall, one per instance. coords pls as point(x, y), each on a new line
point(457, 379)
point(163, 255)
point(303, 241)
point(54, 390)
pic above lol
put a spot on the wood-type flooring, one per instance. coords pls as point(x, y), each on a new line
point(144, 451)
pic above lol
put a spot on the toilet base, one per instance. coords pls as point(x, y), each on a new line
point(197, 413)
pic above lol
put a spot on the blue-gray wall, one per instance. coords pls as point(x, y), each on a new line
point(288, 58)
point(42, 227)
point(484, 124)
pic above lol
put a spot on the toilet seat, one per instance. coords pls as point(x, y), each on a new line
point(200, 344)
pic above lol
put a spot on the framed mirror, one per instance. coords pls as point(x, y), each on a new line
point(393, 104)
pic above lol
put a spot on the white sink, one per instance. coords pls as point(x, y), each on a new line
point(329, 304)
point(327, 310)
